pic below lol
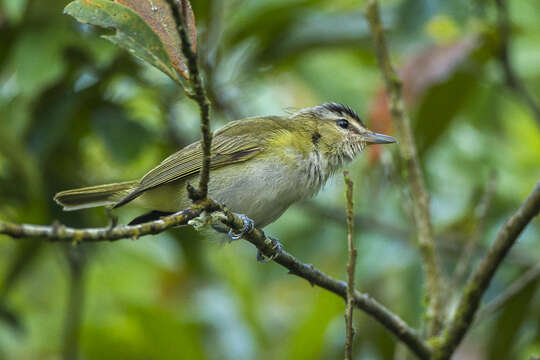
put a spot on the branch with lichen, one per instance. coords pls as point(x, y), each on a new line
point(257, 237)
point(474, 290)
point(202, 203)
point(61, 233)
point(351, 265)
point(415, 177)
point(445, 345)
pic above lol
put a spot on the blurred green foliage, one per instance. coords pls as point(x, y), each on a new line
point(75, 110)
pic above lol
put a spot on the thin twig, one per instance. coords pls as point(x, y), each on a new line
point(308, 272)
point(351, 265)
point(514, 289)
point(199, 94)
point(415, 177)
point(471, 244)
point(481, 277)
point(512, 80)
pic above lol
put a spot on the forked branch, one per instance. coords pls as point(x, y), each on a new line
point(308, 272)
point(481, 277)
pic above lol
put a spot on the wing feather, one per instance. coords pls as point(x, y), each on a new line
point(231, 144)
point(187, 162)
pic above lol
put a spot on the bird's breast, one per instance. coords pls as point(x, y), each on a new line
point(263, 188)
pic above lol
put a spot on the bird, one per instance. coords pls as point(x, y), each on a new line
point(260, 166)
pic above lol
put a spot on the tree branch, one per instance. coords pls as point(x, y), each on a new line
point(514, 289)
point(481, 277)
point(58, 232)
point(199, 94)
point(257, 237)
point(61, 233)
point(350, 269)
point(415, 178)
point(512, 80)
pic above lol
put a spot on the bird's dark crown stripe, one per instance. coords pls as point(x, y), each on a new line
point(343, 110)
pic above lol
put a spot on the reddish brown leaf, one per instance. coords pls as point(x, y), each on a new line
point(433, 66)
point(158, 15)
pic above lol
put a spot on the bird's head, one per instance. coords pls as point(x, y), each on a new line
point(338, 130)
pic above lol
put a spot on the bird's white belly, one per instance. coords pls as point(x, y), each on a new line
point(263, 190)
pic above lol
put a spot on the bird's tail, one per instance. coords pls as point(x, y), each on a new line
point(93, 196)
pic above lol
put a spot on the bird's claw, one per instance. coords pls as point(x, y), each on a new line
point(276, 246)
point(248, 226)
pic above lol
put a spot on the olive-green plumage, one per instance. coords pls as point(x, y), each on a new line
point(259, 166)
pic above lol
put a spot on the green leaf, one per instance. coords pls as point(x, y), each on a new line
point(132, 32)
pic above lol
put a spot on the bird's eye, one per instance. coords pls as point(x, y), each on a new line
point(342, 123)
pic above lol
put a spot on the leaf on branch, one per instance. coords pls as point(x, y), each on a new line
point(158, 15)
point(144, 28)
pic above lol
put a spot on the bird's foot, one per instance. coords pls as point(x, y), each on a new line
point(276, 246)
point(248, 226)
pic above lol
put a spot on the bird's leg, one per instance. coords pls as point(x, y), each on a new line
point(247, 227)
point(276, 246)
point(250, 225)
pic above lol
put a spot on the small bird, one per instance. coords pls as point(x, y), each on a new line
point(259, 166)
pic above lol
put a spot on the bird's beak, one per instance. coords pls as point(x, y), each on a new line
point(374, 138)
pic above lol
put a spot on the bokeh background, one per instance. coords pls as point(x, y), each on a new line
point(76, 110)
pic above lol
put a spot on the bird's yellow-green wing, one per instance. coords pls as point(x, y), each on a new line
point(188, 161)
point(231, 144)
